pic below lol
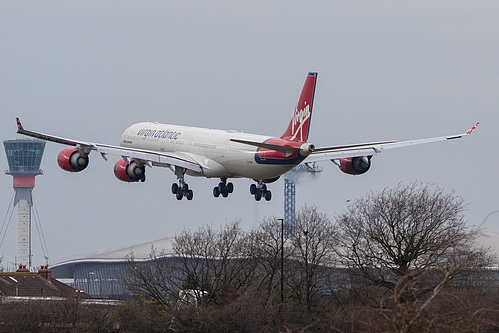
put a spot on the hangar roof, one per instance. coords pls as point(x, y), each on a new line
point(140, 252)
point(164, 246)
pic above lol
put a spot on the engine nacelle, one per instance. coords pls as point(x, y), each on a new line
point(355, 165)
point(132, 172)
point(72, 160)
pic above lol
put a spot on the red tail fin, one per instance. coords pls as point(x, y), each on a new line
point(300, 123)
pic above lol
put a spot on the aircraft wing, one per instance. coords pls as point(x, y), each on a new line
point(373, 148)
point(181, 160)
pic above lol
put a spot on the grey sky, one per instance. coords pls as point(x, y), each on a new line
point(387, 70)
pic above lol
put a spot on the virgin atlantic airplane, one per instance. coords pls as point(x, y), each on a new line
point(223, 154)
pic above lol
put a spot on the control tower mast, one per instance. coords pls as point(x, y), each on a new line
point(24, 158)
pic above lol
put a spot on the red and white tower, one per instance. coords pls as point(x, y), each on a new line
point(24, 157)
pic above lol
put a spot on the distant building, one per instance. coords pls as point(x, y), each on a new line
point(100, 275)
point(34, 285)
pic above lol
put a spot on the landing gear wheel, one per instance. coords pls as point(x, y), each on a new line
point(260, 191)
point(223, 188)
point(267, 195)
point(180, 194)
point(253, 189)
point(174, 188)
point(143, 179)
point(258, 195)
point(189, 194)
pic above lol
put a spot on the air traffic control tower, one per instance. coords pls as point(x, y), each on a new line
point(24, 157)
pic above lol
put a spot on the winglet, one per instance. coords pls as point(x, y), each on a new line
point(19, 125)
point(472, 129)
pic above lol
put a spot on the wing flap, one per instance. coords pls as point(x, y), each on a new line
point(180, 160)
point(352, 146)
point(363, 149)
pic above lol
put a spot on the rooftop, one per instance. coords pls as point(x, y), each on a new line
point(140, 252)
point(164, 247)
point(34, 284)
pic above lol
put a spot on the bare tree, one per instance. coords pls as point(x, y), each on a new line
point(157, 279)
point(411, 241)
point(266, 250)
point(386, 235)
point(313, 249)
point(220, 262)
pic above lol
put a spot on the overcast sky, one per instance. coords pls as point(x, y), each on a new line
point(387, 70)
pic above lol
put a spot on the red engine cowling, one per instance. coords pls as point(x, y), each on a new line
point(132, 172)
point(72, 160)
point(355, 165)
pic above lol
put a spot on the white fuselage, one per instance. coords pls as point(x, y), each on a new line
point(211, 148)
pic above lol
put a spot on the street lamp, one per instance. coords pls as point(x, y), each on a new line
point(282, 263)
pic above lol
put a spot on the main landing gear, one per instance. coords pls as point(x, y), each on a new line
point(181, 189)
point(260, 190)
point(223, 188)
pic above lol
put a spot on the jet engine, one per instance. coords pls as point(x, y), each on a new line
point(130, 172)
point(72, 160)
point(354, 165)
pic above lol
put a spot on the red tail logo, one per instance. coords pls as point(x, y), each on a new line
point(300, 119)
point(300, 122)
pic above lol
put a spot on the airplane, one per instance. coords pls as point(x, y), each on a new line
point(224, 154)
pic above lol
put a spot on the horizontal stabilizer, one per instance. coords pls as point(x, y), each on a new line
point(284, 149)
